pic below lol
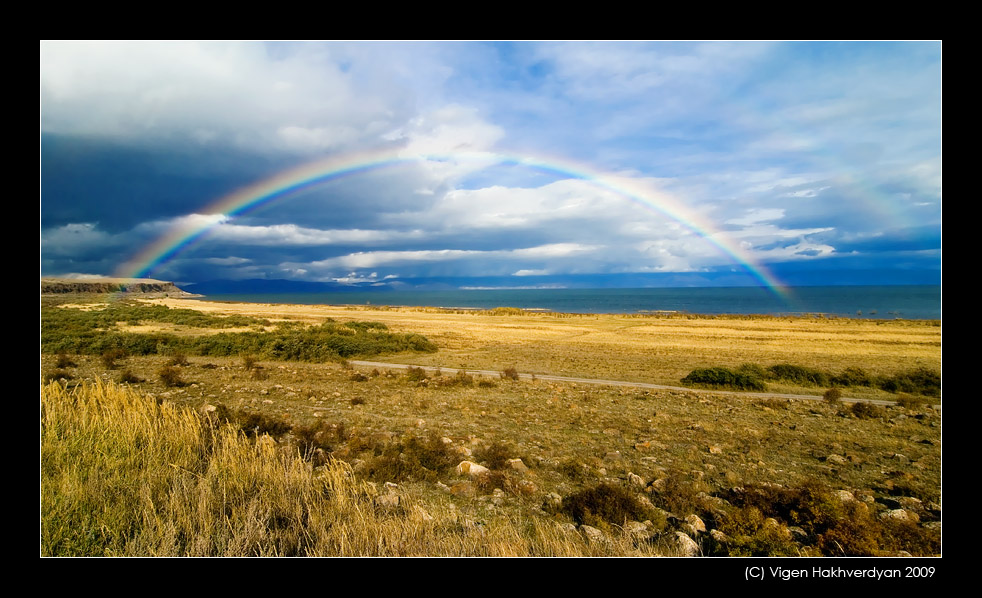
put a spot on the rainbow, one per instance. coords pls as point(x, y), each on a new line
point(182, 236)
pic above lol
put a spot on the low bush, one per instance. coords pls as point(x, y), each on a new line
point(606, 504)
point(853, 376)
point(864, 410)
point(413, 458)
point(58, 375)
point(509, 374)
point(64, 362)
point(921, 381)
point(257, 424)
point(495, 455)
point(171, 376)
point(178, 359)
point(724, 378)
point(129, 377)
point(415, 374)
point(111, 356)
point(798, 375)
point(833, 396)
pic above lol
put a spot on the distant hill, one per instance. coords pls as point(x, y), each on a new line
point(142, 287)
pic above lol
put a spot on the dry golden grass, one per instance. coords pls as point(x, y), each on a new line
point(570, 436)
point(657, 349)
point(123, 475)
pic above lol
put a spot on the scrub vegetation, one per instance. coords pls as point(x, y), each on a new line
point(181, 452)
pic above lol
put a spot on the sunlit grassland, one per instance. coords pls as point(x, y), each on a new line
point(133, 468)
point(652, 348)
point(123, 475)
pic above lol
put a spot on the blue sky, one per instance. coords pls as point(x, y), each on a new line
point(816, 162)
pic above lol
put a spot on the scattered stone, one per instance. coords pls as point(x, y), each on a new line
point(836, 460)
point(612, 432)
point(715, 450)
point(719, 536)
point(442, 486)
point(686, 545)
point(844, 495)
point(387, 501)
point(517, 465)
point(897, 514)
point(593, 535)
point(612, 456)
point(635, 528)
point(635, 480)
point(553, 501)
point(694, 525)
point(471, 469)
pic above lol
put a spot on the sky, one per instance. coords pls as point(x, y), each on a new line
point(493, 164)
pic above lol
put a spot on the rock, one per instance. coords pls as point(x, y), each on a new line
point(517, 465)
point(836, 460)
point(553, 501)
point(612, 456)
point(387, 501)
point(719, 536)
point(897, 514)
point(686, 545)
point(694, 524)
point(715, 450)
point(469, 468)
point(635, 528)
point(635, 480)
point(844, 495)
point(593, 535)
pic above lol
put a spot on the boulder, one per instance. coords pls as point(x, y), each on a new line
point(469, 468)
point(686, 545)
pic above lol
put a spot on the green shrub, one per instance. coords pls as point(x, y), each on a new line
point(413, 458)
point(833, 396)
point(723, 378)
point(798, 375)
point(853, 376)
point(921, 381)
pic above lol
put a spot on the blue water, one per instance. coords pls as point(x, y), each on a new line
point(879, 302)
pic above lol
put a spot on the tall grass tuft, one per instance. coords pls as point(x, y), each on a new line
point(124, 475)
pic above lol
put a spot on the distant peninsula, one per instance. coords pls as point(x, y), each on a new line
point(138, 287)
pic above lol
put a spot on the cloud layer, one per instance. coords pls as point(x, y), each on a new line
point(782, 155)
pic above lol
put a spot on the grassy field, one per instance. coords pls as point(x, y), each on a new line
point(762, 476)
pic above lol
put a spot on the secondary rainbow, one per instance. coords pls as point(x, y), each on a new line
point(180, 237)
